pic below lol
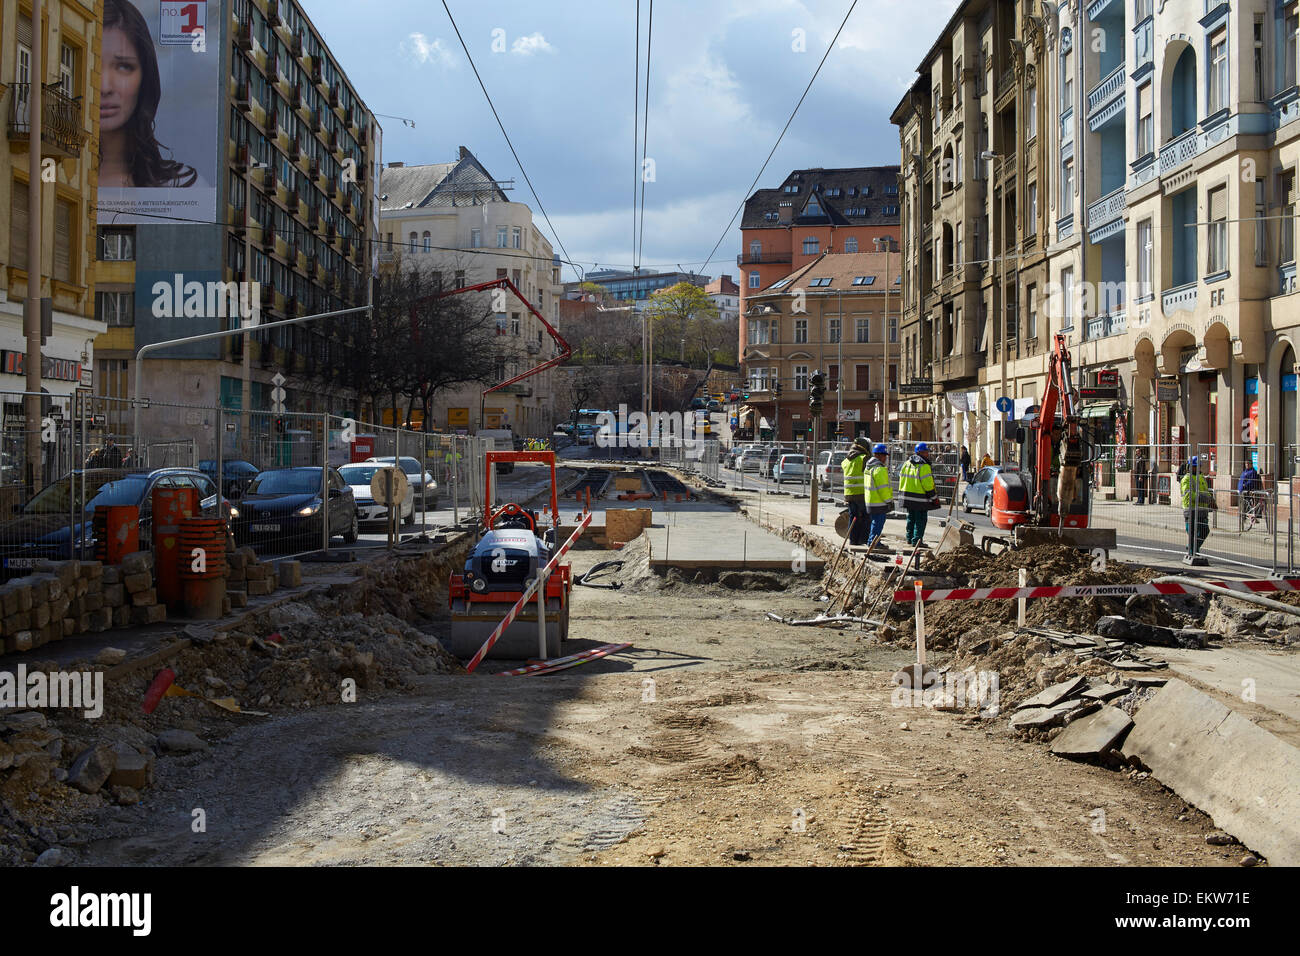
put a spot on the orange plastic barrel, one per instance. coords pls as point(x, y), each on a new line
point(117, 532)
point(201, 562)
point(171, 506)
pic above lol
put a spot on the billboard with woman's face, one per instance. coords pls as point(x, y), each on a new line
point(159, 93)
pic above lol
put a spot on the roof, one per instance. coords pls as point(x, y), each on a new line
point(838, 210)
point(464, 182)
point(870, 268)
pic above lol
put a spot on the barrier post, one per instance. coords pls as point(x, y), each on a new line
point(920, 633)
point(1020, 610)
point(541, 619)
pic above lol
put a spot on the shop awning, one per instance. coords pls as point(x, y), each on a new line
point(1099, 410)
point(764, 424)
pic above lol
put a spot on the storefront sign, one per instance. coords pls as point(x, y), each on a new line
point(850, 415)
point(910, 416)
point(1108, 376)
point(458, 418)
point(1167, 390)
point(918, 386)
point(1099, 392)
point(53, 369)
point(1288, 383)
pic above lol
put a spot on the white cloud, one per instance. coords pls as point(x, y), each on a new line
point(420, 48)
point(534, 43)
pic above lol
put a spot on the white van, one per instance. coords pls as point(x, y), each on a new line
point(503, 439)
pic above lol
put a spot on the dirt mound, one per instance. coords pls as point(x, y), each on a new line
point(1024, 664)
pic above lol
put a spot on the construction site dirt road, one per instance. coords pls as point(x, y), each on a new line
point(720, 738)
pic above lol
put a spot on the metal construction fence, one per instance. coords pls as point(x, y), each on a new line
point(696, 457)
point(289, 481)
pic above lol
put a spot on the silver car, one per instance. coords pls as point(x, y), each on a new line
point(423, 486)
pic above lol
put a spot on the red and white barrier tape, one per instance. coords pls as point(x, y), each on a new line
point(1091, 590)
point(524, 598)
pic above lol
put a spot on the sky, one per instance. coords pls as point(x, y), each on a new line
point(724, 76)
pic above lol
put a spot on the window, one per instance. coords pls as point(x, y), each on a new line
point(516, 238)
point(1067, 187)
point(389, 243)
point(1031, 318)
point(801, 331)
point(502, 235)
point(832, 378)
point(476, 238)
point(864, 280)
point(1031, 227)
point(1219, 71)
point(893, 330)
point(1286, 193)
point(1289, 54)
point(1067, 294)
point(460, 278)
point(428, 241)
point(415, 239)
point(116, 245)
point(1261, 224)
point(863, 327)
point(1143, 9)
point(1146, 137)
point(65, 241)
point(753, 280)
point(1067, 76)
point(501, 323)
point(756, 250)
point(820, 283)
point(115, 308)
point(801, 378)
point(514, 323)
point(813, 208)
point(862, 377)
point(1218, 257)
point(851, 244)
point(68, 70)
point(1259, 56)
point(957, 259)
point(1145, 254)
point(833, 334)
point(810, 246)
point(1031, 112)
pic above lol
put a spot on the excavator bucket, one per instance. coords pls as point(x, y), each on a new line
point(1031, 536)
point(955, 535)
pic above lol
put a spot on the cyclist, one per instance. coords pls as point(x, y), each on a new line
point(1249, 480)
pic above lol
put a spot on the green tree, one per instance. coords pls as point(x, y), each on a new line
point(676, 313)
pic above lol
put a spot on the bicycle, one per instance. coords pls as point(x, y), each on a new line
point(1252, 510)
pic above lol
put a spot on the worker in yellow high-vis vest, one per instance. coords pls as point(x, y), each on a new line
point(855, 491)
point(880, 497)
point(916, 489)
point(1198, 502)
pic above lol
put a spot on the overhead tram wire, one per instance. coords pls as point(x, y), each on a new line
point(794, 112)
point(645, 127)
point(636, 99)
point(519, 162)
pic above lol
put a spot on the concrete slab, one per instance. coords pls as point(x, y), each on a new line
point(1246, 779)
point(725, 541)
point(1104, 692)
point(1056, 693)
point(1092, 735)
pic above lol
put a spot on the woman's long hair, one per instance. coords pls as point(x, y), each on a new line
point(145, 159)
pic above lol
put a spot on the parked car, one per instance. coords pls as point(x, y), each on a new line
point(235, 474)
point(978, 492)
point(358, 477)
point(715, 405)
point(43, 529)
point(425, 489)
point(754, 459)
point(790, 467)
point(736, 452)
point(830, 474)
point(698, 404)
point(586, 434)
point(283, 509)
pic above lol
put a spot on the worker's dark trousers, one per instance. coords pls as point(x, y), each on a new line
point(877, 525)
point(1202, 527)
point(916, 519)
point(858, 515)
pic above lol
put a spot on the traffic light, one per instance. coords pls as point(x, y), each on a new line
point(817, 393)
point(279, 425)
point(776, 389)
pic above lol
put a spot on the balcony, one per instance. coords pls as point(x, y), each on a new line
point(61, 120)
point(1106, 216)
point(1179, 151)
point(1105, 325)
point(950, 368)
point(1107, 99)
point(1097, 8)
point(1181, 299)
point(762, 258)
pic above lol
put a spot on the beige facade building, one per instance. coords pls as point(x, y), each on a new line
point(1122, 171)
point(69, 39)
point(454, 219)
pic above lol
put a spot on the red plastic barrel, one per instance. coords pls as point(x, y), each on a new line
point(117, 532)
point(171, 506)
point(203, 582)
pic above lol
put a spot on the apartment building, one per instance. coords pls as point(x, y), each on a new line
point(69, 39)
point(839, 315)
point(285, 159)
point(726, 296)
point(455, 219)
point(814, 211)
point(634, 286)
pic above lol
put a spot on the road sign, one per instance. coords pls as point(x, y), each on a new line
point(230, 426)
point(850, 415)
point(1005, 404)
point(277, 393)
point(388, 486)
point(98, 421)
point(735, 422)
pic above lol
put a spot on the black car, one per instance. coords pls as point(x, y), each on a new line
point(44, 529)
point(236, 474)
point(281, 510)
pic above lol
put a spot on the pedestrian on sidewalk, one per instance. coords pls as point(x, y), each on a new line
point(986, 461)
point(855, 491)
point(965, 464)
point(880, 497)
point(1198, 502)
point(916, 488)
point(1140, 476)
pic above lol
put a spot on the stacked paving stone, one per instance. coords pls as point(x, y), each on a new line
point(63, 598)
point(247, 577)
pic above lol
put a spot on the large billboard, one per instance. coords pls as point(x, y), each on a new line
point(159, 96)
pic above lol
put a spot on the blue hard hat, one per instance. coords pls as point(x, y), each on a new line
point(880, 449)
point(922, 446)
point(1194, 461)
